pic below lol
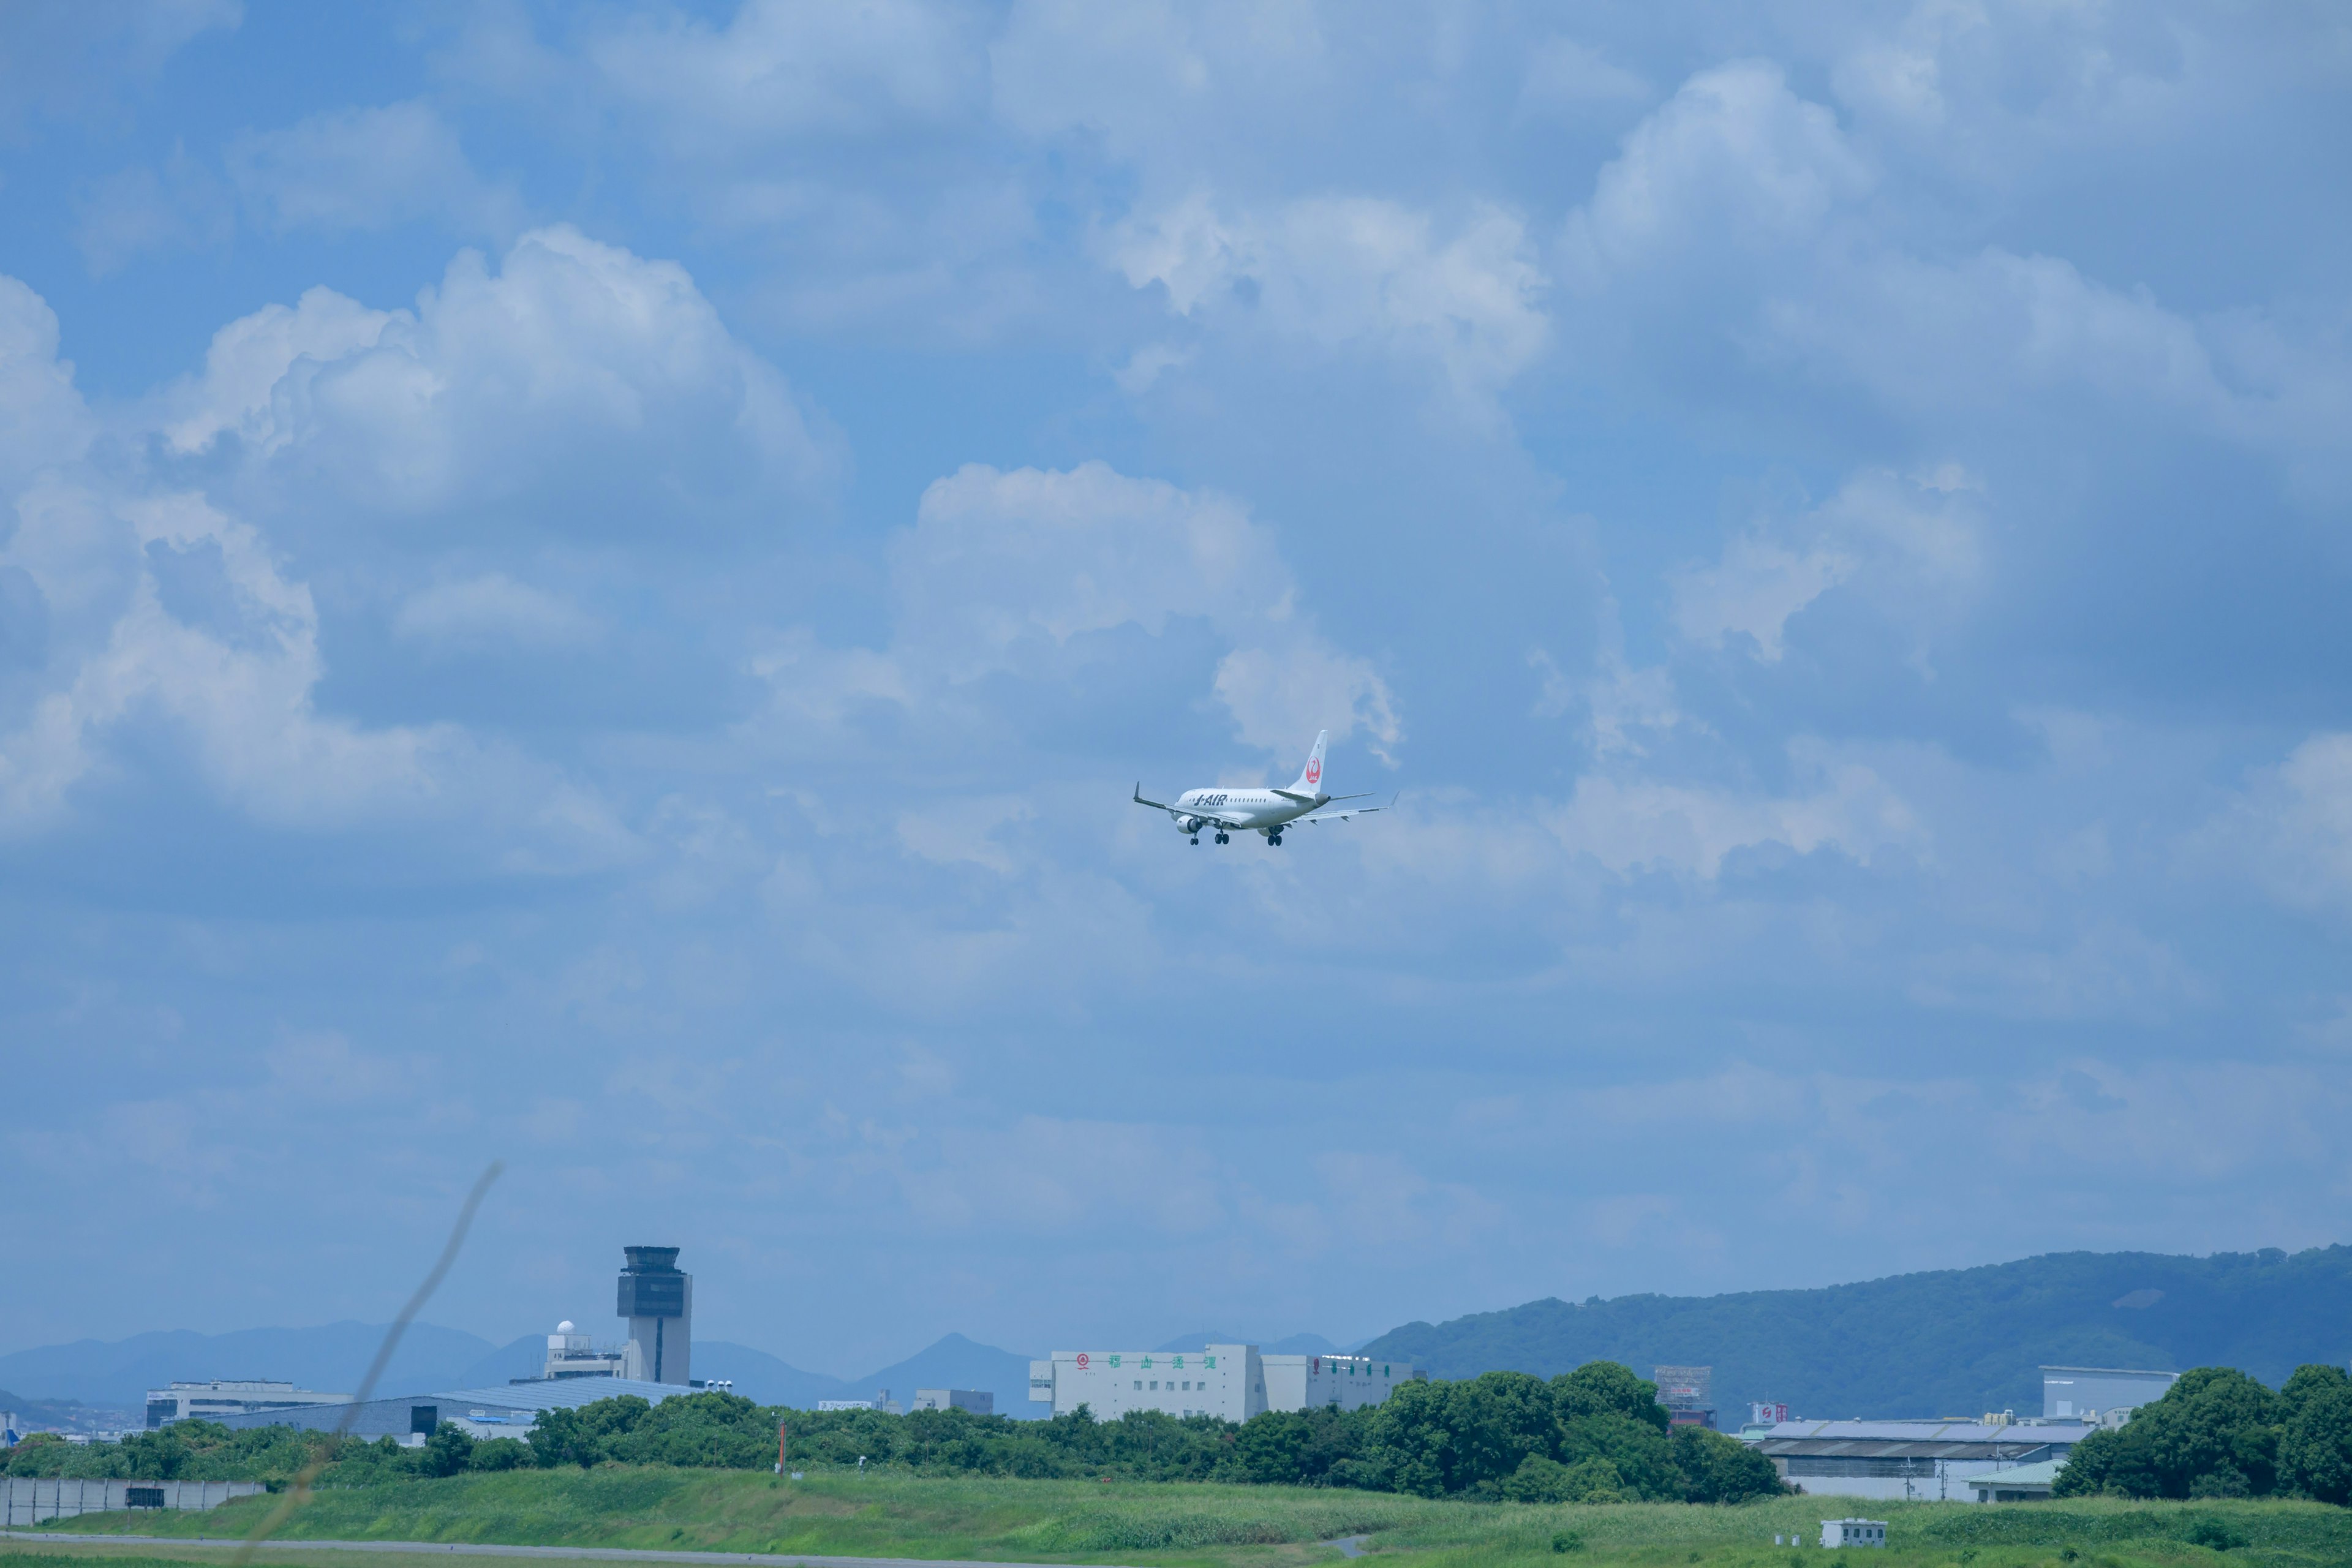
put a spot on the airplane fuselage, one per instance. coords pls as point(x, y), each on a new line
point(1264, 812)
point(1251, 810)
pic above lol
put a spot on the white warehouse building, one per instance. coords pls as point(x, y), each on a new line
point(1232, 1382)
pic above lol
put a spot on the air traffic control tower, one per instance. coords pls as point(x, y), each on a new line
point(658, 1299)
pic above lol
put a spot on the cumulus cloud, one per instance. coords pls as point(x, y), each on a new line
point(1914, 544)
point(1733, 165)
point(599, 381)
point(492, 610)
point(64, 58)
point(1634, 823)
point(138, 209)
point(1141, 75)
point(1352, 273)
point(169, 623)
point(358, 170)
point(1565, 77)
point(42, 420)
point(1735, 236)
point(998, 561)
point(2290, 826)
point(778, 70)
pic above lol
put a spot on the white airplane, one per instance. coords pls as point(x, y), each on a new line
point(1262, 811)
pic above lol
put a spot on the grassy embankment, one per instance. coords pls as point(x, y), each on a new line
point(1183, 1526)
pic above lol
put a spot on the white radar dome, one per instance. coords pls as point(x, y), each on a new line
point(564, 1327)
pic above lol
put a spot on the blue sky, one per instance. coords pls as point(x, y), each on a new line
point(587, 586)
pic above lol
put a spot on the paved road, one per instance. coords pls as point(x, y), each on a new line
point(471, 1548)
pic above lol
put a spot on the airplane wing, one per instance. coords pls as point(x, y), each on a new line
point(1339, 816)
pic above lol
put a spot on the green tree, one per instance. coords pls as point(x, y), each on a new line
point(1716, 1469)
point(2215, 1432)
point(1271, 1447)
point(1607, 1388)
point(449, 1450)
point(2316, 1440)
point(1636, 1452)
point(500, 1454)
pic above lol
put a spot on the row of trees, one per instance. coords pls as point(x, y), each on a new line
point(2219, 1433)
point(1595, 1435)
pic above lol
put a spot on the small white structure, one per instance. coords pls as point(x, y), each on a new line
point(1854, 1533)
point(1232, 1382)
point(218, 1398)
point(979, 1400)
point(882, 1401)
point(570, 1353)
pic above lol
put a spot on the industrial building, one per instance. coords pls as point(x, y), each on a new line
point(979, 1400)
point(1232, 1382)
point(881, 1401)
point(2099, 1394)
point(1925, 1461)
point(506, 1411)
point(219, 1398)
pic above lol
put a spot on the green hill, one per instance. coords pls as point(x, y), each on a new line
point(1956, 1341)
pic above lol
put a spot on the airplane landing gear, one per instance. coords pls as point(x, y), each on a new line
point(1196, 839)
point(1273, 840)
point(1220, 838)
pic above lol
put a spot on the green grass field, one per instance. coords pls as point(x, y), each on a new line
point(1180, 1526)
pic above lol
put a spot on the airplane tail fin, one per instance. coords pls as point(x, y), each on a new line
point(1310, 777)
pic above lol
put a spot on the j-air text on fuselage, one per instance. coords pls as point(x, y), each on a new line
point(1265, 812)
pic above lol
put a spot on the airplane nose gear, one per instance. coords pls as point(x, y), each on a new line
point(1196, 839)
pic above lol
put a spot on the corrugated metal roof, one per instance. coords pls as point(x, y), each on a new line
point(1931, 1431)
point(558, 1394)
point(1913, 1439)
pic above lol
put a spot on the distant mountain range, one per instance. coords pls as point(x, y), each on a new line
point(116, 1375)
point(1954, 1343)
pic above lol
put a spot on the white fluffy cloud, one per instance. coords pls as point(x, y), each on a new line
point(165, 623)
point(2290, 826)
point(1352, 273)
point(1634, 823)
point(492, 610)
point(1732, 166)
point(1914, 544)
point(356, 170)
point(779, 71)
point(577, 372)
point(1738, 236)
point(998, 560)
point(42, 420)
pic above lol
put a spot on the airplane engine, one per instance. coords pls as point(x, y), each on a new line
point(1191, 825)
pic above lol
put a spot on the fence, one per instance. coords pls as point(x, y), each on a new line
point(30, 1501)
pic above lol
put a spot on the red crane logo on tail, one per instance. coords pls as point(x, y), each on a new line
point(1314, 770)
